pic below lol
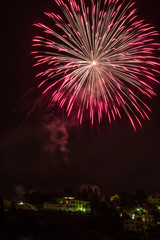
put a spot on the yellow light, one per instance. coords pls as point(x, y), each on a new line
point(133, 216)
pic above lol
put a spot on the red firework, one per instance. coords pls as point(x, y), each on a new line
point(98, 60)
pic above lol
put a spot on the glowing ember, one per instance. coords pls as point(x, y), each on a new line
point(94, 63)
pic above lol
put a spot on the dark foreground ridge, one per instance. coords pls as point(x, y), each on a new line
point(85, 215)
point(40, 225)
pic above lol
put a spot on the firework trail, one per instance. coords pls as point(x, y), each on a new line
point(98, 60)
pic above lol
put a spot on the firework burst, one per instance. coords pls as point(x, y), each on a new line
point(98, 60)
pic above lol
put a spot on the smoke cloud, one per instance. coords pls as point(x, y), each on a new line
point(57, 131)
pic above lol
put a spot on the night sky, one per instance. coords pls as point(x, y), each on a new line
point(52, 156)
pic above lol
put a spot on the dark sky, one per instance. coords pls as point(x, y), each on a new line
point(52, 157)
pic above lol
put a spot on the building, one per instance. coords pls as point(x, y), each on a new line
point(154, 199)
point(131, 225)
point(25, 206)
point(148, 218)
point(7, 204)
point(115, 197)
point(69, 204)
point(93, 188)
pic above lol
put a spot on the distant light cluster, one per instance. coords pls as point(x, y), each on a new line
point(98, 60)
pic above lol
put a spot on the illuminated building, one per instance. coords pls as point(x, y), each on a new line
point(25, 206)
point(7, 203)
point(69, 204)
point(131, 225)
point(154, 199)
point(114, 197)
point(148, 218)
